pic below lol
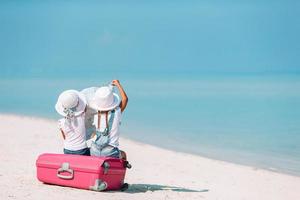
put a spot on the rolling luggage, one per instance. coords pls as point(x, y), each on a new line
point(85, 172)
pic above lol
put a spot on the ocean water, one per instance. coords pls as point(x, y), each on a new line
point(252, 120)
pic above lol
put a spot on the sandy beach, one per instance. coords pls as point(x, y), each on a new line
point(156, 174)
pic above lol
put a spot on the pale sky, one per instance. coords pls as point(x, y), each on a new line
point(141, 36)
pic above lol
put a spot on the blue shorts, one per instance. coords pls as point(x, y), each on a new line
point(108, 151)
point(84, 152)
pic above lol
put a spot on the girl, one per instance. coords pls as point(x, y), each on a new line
point(72, 105)
point(107, 120)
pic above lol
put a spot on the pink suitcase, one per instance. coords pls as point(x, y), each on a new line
point(86, 172)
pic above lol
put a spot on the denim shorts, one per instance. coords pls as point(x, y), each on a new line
point(108, 151)
point(84, 152)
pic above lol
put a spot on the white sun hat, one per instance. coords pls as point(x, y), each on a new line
point(105, 99)
point(70, 100)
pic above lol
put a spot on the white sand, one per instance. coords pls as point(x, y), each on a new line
point(156, 173)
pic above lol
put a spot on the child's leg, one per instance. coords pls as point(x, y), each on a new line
point(123, 155)
point(87, 152)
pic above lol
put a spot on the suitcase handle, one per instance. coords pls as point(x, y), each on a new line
point(65, 167)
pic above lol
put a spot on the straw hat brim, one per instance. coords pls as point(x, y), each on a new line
point(79, 108)
point(116, 103)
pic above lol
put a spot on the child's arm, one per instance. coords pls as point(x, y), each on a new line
point(122, 93)
point(63, 134)
point(93, 135)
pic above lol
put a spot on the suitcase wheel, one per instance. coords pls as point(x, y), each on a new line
point(99, 185)
point(124, 186)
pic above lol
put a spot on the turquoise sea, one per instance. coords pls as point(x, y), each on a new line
point(247, 119)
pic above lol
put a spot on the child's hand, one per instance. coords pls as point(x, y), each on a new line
point(115, 82)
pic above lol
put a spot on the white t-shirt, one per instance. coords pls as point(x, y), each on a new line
point(114, 130)
point(89, 94)
point(75, 132)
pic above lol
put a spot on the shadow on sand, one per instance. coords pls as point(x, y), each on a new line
point(141, 188)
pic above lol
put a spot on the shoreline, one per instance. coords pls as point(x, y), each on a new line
point(253, 166)
point(157, 173)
